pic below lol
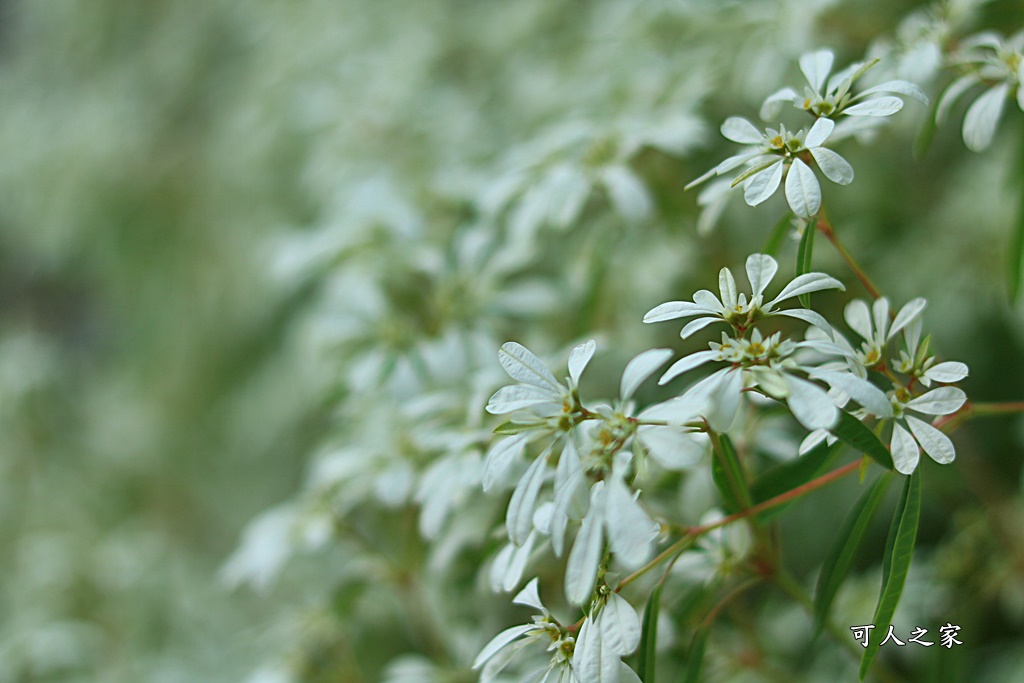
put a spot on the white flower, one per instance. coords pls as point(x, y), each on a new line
point(910, 432)
point(830, 97)
point(767, 364)
point(994, 62)
point(876, 327)
point(736, 309)
point(544, 628)
point(777, 153)
point(718, 553)
point(916, 362)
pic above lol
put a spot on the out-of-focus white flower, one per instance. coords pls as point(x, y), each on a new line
point(717, 553)
point(997, 63)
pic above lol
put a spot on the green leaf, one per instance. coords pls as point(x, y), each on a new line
point(788, 476)
point(804, 257)
point(513, 427)
point(728, 476)
point(844, 546)
point(778, 233)
point(926, 134)
point(1015, 253)
point(899, 551)
point(649, 637)
point(853, 433)
point(695, 657)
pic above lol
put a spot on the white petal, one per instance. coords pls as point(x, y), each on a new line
point(676, 309)
point(670, 448)
point(982, 117)
point(517, 397)
point(950, 371)
point(819, 132)
point(569, 477)
point(630, 530)
point(581, 568)
point(860, 390)
point(589, 655)
point(806, 283)
point(620, 626)
point(724, 402)
point(628, 194)
point(905, 452)
point(517, 564)
point(880, 106)
point(727, 287)
point(529, 596)
point(697, 325)
point(771, 107)
point(808, 316)
point(639, 369)
point(761, 268)
point(910, 311)
point(519, 516)
point(759, 187)
point(500, 458)
point(802, 190)
point(835, 168)
point(880, 317)
point(703, 297)
point(941, 401)
point(579, 357)
point(522, 366)
point(815, 67)
point(936, 444)
point(951, 94)
point(858, 317)
point(499, 642)
point(1020, 85)
point(738, 129)
point(901, 87)
point(810, 404)
point(686, 364)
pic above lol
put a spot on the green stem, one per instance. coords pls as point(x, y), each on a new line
point(690, 534)
point(780, 499)
point(826, 228)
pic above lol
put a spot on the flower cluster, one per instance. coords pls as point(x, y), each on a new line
point(998, 64)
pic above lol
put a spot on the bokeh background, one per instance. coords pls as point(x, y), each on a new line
point(256, 260)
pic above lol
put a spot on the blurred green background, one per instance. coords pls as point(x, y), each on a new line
point(195, 199)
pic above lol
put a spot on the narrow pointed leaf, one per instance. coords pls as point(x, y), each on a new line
point(789, 475)
point(695, 657)
point(778, 233)
point(727, 473)
point(1015, 252)
point(647, 659)
point(844, 546)
point(853, 433)
point(899, 551)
